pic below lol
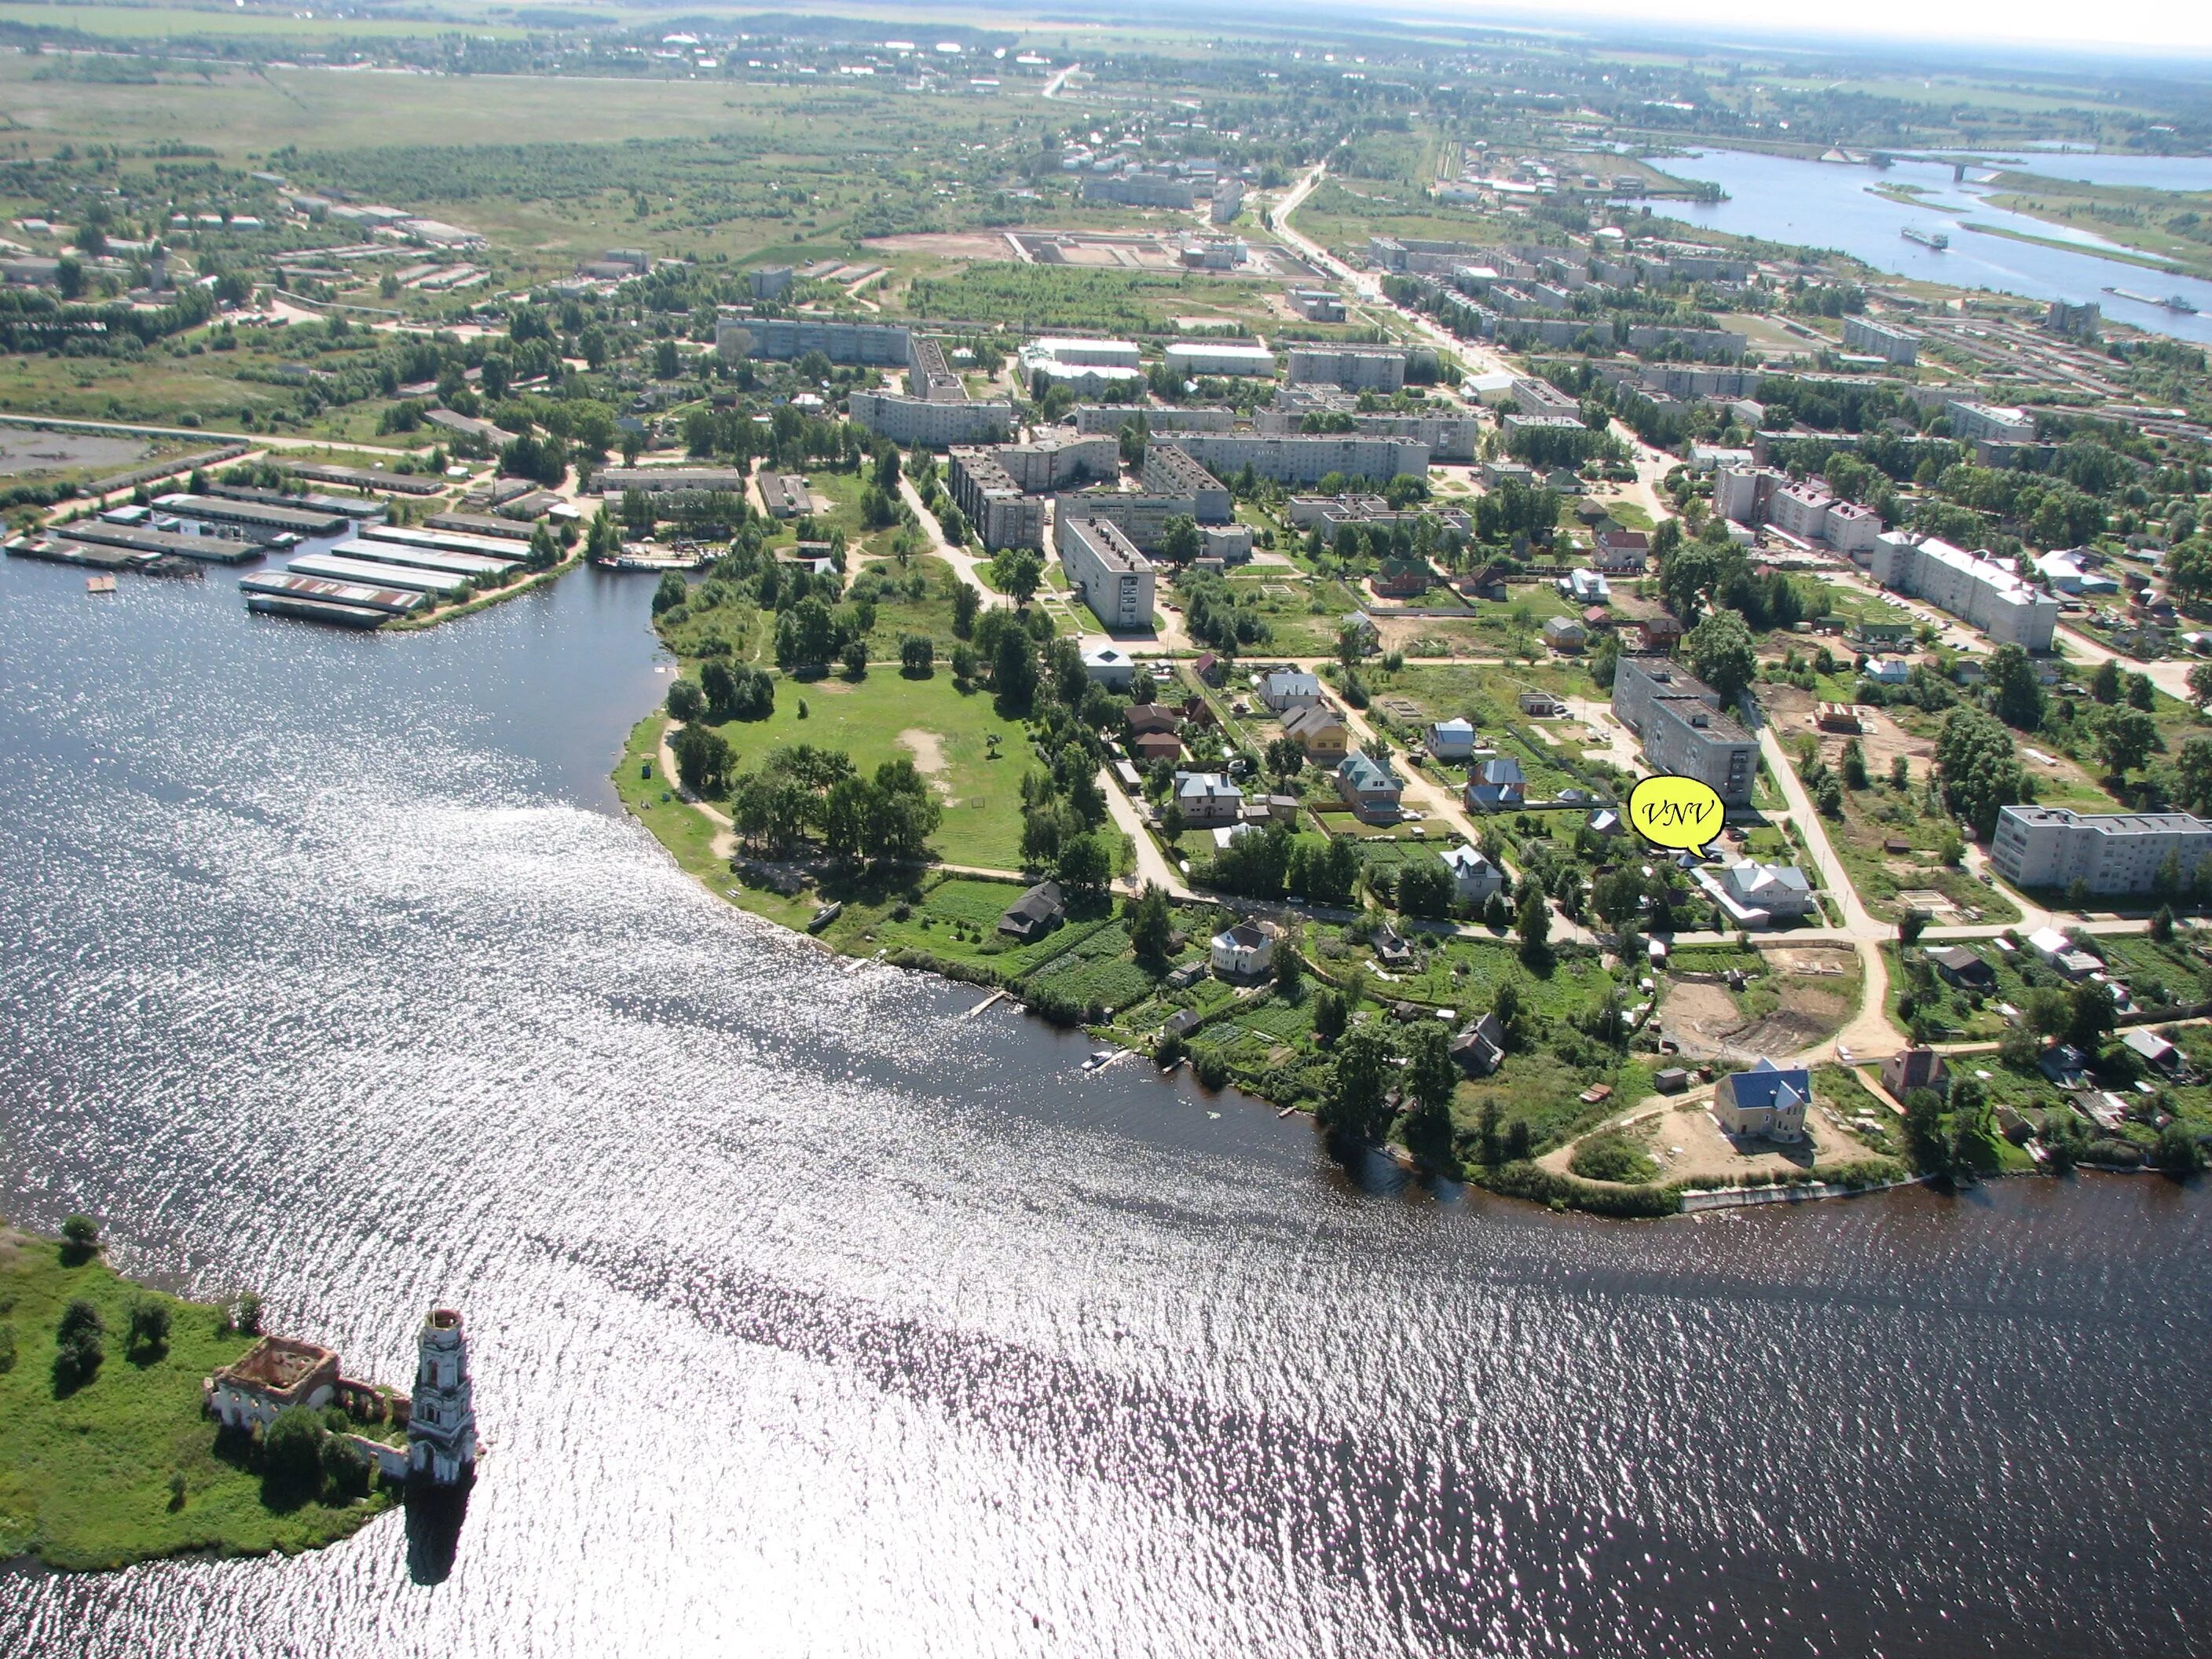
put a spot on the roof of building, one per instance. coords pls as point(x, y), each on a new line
point(1770, 1085)
point(1366, 773)
point(1040, 903)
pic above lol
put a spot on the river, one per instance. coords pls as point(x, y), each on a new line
point(810, 1318)
point(1829, 205)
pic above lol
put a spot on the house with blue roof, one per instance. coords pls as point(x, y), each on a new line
point(1370, 787)
point(1767, 1101)
point(1497, 786)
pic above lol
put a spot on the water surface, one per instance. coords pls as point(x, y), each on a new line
point(811, 1317)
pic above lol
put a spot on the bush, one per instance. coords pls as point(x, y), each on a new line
point(80, 1239)
point(149, 1325)
point(292, 1454)
point(78, 1348)
point(344, 1468)
point(1210, 1067)
point(1612, 1156)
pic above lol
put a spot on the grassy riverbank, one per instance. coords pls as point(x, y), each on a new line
point(86, 1473)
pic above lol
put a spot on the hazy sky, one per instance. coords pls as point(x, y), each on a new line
point(2166, 25)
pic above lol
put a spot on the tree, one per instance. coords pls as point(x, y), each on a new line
point(1019, 571)
point(2105, 684)
point(292, 1453)
point(704, 757)
point(1289, 969)
point(1534, 925)
point(1900, 773)
point(2178, 1152)
point(2089, 1015)
point(1330, 1016)
point(917, 654)
point(903, 812)
point(965, 602)
point(1910, 926)
point(805, 635)
point(1353, 1105)
point(2200, 683)
point(2015, 693)
point(854, 656)
point(78, 1344)
point(672, 592)
point(149, 1325)
point(1722, 656)
point(1085, 866)
point(1014, 670)
point(1852, 763)
point(686, 701)
point(80, 1239)
point(1980, 768)
point(2162, 925)
point(2019, 1047)
point(1152, 923)
point(1923, 1132)
point(1431, 1077)
point(2142, 694)
point(1425, 888)
point(1180, 541)
point(1285, 758)
point(2125, 740)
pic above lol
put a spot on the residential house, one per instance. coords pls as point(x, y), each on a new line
point(1605, 822)
point(1620, 552)
point(2060, 955)
point(1586, 586)
point(1497, 786)
point(1390, 947)
point(1452, 739)
point(1211, 668)
point(1887, 671)
point(1143, 717)
point(1767, 1101)
point(1246, 951)
point(1361, 627)
point(1962, 968)
point(1479, 1049)
point(1402, 579)
point(1759, 895)
point(1474, 877)
point(1915, 1068)
point(1289, 688)
point(1035, 913)
point(1371, 787)
point(1565, 634)
point(2156, 1052)
point(1150, 746)
point(1317, 729)
point(1205, 799)
point(1658, 633)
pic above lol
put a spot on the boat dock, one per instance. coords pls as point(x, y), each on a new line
point(444, 541)
point(424, 558)
point(479, 523)
point(58, 549)
point(353, 507)
point(280, 592)
point(255, 515)
point(374, 574)
point(209, 549)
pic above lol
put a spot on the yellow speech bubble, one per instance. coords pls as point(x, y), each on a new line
point(1676, 812)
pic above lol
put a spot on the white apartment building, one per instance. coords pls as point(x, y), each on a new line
point(932, 424)
point(1880, 340)
point(1971, 586)
point(1104, 566)
point(1192, 358)
point(1358, 369)
point(2051, 846)
point(1971, 421)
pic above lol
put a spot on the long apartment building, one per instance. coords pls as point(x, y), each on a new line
point(1684, 732)
point(783, 338)
point(1001, 513)
point(1971, 586)
point(1359, 368)
point(2049, 846)
point(1894, 345)
point(937, 410)
point(1104, 566)
point(1450, 434)
point(1970, 419)
point(1170, 469)
point(1093, 418)
point(1305, 461)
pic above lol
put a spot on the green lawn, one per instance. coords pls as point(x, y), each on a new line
point(981, 797)
point(85, 1477)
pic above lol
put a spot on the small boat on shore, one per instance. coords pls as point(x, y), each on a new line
point(1936, 240)
point(828, 913)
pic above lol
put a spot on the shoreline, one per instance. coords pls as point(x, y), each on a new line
point(529, 584)
point(691, 832)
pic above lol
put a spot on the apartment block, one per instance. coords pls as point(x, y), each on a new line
point(1104, 566)
point(1679, 719)
point(1305, 461)
point(1358, 369)
point(1971, 586)
point(2049, 846)
point(1880, 340)
point(1170, 469)
point(933, 425)
point(1093, 418)
point(1002, 514)
point(780, 339)
point(1051, 464)
point(1192, 358)
point(1970, 421)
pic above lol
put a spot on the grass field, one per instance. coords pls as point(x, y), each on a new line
point(85, 1475)
point(887, 716)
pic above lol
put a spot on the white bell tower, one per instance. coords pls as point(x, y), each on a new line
point(441, 1434)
